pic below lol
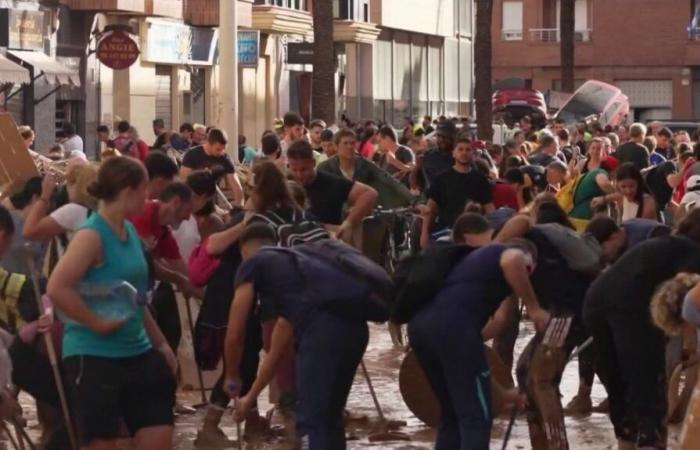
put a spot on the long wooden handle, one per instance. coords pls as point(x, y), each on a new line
point(53, 359)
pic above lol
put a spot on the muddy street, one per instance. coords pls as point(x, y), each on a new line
point(383, 362)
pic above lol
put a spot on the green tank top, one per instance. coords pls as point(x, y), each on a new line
point(122, 260)
point(586, 191)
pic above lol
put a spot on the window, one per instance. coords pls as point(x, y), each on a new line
point(291, 4)
point(463, 17)
point(512, 27)
point(355, 10)
point(382, 70)
point(451, 70)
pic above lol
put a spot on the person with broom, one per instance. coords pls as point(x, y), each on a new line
point(117, 368)
point(328, 323)
point(446, 336)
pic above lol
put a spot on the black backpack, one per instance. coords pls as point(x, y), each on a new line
point(301, 229)
point(418, 279)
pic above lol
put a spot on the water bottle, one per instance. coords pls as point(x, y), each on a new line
point(111, 300)
point(5, 367)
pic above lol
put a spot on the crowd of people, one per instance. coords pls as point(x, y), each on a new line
point(573, 227)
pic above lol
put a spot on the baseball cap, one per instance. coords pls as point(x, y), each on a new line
point(693, 182)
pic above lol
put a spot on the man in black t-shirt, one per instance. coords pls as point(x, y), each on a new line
point(452, 189)
point(633, 151)
point(328, 193)
point(211, 155)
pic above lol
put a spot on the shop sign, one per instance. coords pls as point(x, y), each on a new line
point(117, 50)
point(248, 48)
point(300, 53)
point(21, 29)
point(169, 42)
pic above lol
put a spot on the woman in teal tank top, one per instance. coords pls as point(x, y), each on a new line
point(593, 186)
point(116, 369)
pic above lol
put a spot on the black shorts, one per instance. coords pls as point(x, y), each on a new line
point(140, 390)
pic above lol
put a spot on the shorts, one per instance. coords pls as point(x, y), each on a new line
point(140, 390)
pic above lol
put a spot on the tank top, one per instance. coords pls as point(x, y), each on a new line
point(630, 210)
point(586, 191)
point(123, 260)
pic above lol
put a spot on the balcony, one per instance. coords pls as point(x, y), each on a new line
point(164, 8)
point(132, 6)
point(548, 35)
point(205, 13)
point(282, 17)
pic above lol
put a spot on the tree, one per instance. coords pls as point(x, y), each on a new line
point(323, 79)
point(482, 69)
point(567, 23)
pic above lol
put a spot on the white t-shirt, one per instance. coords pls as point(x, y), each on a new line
point(70, 216)
point(73, 143)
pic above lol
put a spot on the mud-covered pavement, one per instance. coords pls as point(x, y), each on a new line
point(383, 361)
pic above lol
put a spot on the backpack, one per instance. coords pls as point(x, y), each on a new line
point(565, 196)
point(360, 268)
point(418, 279)
point(581, 253)
point(300, 230)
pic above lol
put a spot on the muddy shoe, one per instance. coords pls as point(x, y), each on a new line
point(579, 406)
point(213, 438)
point(603, 407)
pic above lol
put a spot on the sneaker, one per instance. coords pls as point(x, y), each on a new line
point(213, 438)
point(603, 407)
point(579, 406)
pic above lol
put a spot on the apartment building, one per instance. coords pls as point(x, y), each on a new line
point(647, 48)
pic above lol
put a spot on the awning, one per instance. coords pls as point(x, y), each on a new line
point(54, 72)
point(12, 73)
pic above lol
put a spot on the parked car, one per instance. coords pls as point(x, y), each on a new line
point(596, 101)
point(512, 104)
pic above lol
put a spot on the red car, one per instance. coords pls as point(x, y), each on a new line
point(511, 105)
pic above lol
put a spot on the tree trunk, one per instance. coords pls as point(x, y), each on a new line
point(482, 70)
point(323, 80)
point(567, 23)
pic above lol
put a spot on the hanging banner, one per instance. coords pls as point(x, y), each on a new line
point(248, 48)
point(117, 50)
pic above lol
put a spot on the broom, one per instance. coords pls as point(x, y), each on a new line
point(29, 260)
point(385, 432)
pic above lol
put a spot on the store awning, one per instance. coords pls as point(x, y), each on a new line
point(54, 72)
point(12, 73)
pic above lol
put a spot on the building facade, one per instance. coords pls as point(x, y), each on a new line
point(394, 58)
point(621, 42)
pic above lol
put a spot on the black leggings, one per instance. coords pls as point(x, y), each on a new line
point(249, 364)
point(630, 361)
point(167, 315)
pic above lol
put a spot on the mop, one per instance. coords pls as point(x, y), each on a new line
point(385, 432)
point(29, 260)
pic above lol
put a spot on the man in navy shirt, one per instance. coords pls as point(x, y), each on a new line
point(329, 344)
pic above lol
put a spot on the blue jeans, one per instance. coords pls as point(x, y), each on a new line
point(328, 353)
point(449, 347)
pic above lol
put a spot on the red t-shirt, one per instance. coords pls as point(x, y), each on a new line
point(159, 237)
point(504, 195)
point(143, 150)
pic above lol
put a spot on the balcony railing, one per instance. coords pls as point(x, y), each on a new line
point(694, 33)
point(299, 5)
point(512, 35)
point(553, 35)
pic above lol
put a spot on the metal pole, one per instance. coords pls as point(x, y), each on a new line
point(228, 73)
